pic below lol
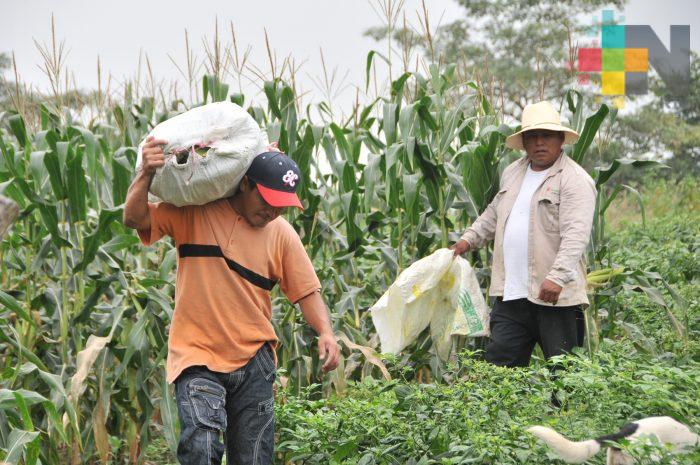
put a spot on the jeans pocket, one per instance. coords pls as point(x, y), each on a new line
point(208, 403)
point(266, 407)
point(265, 362)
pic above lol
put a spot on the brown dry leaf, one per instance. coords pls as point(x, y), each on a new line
point(86, 358)
point(8, 212)
point(368, 352)
point(99, 420)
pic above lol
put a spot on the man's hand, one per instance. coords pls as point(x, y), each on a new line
point(273, 147)
point(549, 292)
point(328, 351)
point(314, 310)
point(152, 156)
point(460, 247)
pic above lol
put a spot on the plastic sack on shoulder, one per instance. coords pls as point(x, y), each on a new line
point(439, 290)
point(209, 150)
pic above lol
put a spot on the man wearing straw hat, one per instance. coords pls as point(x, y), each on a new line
point(540, 222)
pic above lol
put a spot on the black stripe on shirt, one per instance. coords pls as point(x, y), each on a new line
point(198, 250)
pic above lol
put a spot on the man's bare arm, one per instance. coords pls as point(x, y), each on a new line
point(136, 213)
point(316, 314)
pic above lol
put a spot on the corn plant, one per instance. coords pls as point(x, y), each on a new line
point(85, 309)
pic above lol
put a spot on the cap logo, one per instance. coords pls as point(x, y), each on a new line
point(290, 178)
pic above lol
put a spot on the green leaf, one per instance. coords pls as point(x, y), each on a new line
point(289, 112)
point(55, 176)
point(49, 216)
point(427, 164)
point(576, 108)
point(372, 177)
point(24, 411)
point(480, 174)
point(342, 143)
point(368, 67)
point(366, 112)
point(389, 122)
point(24, 353)
point(8, 398)
point(38, 172)
point(238, 99)
point(76, 184)
point(423, 109)
point(11, 303)
point(101, 286)
point(606, 172)
point(349, 201)
point(137, 341)
point(411, 186)
point(18, 129)
point(407, 118)
point(169, 415)
point(16, 444)
point(9, 158)
point(270, 89)
point(107, 217)
point(48, 117)
point(205, 88)
point(121, 174)
point(398, 85)
point(120, 242)
point(590, 129)
point(344, 450)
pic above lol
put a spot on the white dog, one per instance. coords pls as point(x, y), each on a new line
point(665, 429)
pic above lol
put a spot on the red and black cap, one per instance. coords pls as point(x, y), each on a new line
point(277, 177)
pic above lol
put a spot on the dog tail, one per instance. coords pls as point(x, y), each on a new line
point(569, 451)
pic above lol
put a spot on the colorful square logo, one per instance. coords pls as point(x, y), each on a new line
point(613, 59)
point(613, 83)
point(622, 70)
point(589, 60)
point(613, 36)
point(636, 60)
point(619, 53)
point(636, 83)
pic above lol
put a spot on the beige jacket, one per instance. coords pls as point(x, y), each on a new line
point(561, 217)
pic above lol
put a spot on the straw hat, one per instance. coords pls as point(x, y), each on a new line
point(541, 115)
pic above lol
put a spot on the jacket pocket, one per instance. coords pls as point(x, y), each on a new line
point(208, 404)
point(548, 210)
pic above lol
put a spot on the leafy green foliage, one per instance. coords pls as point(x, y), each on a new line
point(480, 416)
point(381, 191)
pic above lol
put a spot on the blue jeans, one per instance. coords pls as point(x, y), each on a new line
point(238, 406)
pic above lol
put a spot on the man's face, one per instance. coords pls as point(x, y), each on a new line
point(254, 209)
point(543, 146)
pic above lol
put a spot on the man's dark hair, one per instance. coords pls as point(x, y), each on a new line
point(251, 183)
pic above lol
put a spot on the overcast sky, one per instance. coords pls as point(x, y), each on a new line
point(118, 31)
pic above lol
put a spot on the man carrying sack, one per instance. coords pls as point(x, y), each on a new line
point(231, 253)
point(540, 221)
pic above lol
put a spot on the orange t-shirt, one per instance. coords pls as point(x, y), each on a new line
point(225, 271)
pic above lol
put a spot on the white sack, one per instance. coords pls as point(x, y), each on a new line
point(234, 139)
point(439, 290)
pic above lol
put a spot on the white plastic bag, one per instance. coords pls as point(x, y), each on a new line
point(439, 290)
point(215, 143)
